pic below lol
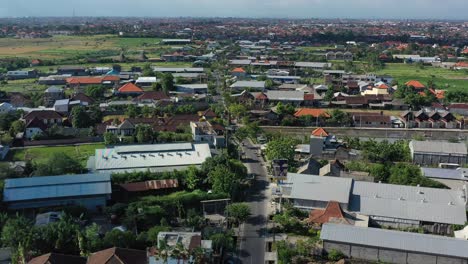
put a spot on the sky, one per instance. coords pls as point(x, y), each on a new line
point(401, 9)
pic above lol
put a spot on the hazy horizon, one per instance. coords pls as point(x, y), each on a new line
point(352, 9)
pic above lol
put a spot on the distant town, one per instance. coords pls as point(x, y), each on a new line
point(233, 140)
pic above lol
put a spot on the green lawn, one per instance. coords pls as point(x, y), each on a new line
point(444, 78)
point(28, 85)
point(41, 154)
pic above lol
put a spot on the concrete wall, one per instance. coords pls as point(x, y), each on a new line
point(394, 133)
point(388, 255)
point(432, 159)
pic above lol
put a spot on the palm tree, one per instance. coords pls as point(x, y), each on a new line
point(162, 251)
point(198, 255)
point(183, 252)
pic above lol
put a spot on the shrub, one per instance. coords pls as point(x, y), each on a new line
point(335, 255)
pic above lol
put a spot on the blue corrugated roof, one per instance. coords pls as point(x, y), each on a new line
point(24, 189)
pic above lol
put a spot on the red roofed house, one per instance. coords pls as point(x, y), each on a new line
point(311, 112)
point(461, 65)
point(320, 132)
point(416, 84)
point(56, 258)
point(130, 89)
point(239, 72)
point(152, 97)
point(333, 213)
point(154, 187)
point(117, 255)
point(37, 122)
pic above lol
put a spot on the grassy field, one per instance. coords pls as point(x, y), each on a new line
point(64, 47)
point(444, 78)
point(41, 154)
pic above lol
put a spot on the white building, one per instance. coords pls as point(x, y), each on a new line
point(156, 158)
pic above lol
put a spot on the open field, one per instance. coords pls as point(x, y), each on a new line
point(28, 85)
point(444, 78)
point(65, 47)
point(41, 154)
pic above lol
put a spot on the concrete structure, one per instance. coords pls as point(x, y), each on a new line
point(436, 152)
point(192, 88)
point(386, 204)
point(388, 246)
point(243, 85)
point(89, 190)
point(204, 132)
point(156, 158)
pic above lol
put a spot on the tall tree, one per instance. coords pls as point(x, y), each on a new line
point(80, 118)
point(239, 212)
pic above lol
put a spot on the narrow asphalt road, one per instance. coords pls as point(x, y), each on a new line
point(253, 232)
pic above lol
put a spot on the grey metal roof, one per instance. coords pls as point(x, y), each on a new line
point(408, 202)
point(151, 156)
point(286, 95)
point(305, 64)
point(167, 69)
point(240, 62)
point(309, 187)
point(62, 102)
point(193, 86)
point(248, 84)
point(398, 240)
point(438, 147)
point(449, 174)
point(23, 189)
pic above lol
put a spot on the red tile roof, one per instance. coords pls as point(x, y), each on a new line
point(311, 112)
point(383, 86)
point(261, 96)
point(415, 84)
point(92, 80)
point(462, 64)
point(333, 210)
point(55, 258)
point(153, 95)
point(130, 88)
point(117, 255)
point(42, 114)
point(238, 70)
point(309, 97)
point(320, 132)
point(150, 185)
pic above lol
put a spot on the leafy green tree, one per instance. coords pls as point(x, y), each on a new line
point(144, 133)
point(148, 71)
point(339, 117)
point(335, 255)
point(80, 118)
point(117, 238)
point(193, 178)
point(223, 180)
point(222, 241)
point(110, 138)
point(95, 114)
point(92, 238)
point(281, 148)
point(239, 212)
point(95, 91)
point(237, 110)
point(132, 111)
point(285, 109)
point(167, 82)
point(268, 84)
point(16, 127)
point(154, 231)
